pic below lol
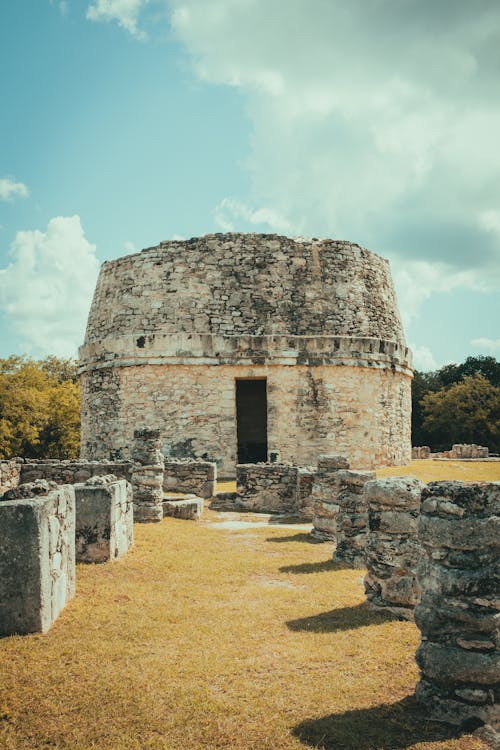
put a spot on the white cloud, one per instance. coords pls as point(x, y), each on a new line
point(489, 345)
point(375, 122)
point(124, 12)
point(10, 189)
point(423, 358)
point(46, 289)
point(229, 214)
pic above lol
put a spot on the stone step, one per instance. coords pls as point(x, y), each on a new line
point(188, 507)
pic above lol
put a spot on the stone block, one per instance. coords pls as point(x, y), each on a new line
point(37, 560)
point(187, 507)
point(104, 519)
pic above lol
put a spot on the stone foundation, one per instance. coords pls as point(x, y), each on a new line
point(392, 548)
point(458, 616)
point(147, 475)
point(195, 477)
point(352, 518)
point(267, 488)
point(324, 497)
point(37, 559)
point(460, 450)
point(104, 519)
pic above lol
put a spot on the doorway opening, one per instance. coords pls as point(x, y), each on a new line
point(251, 419)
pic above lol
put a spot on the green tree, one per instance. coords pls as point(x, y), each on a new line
point(466, 412)
point(39, 408)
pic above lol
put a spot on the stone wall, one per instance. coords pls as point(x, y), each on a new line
point(305, 498)
point(460, 450)
point(359, 412)
point(71, 472)
point(9, 474)
point(196, 477)
point(392, 547)
point(352, 518)
point(37, 558)
point(147, 475)
point(267, 488)
point(420, 452)
point(459, 656)
point(104, 519)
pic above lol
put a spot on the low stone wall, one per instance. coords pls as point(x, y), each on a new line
point(267, 488)
point(191, 477)
point(10, 473)
point(147, 475)
point(104, 519)
point(37, 558)
point(72, 472)
point(460, 450)
point(352, 519)
point(324, 497)
point(420, 452)
point(392, 548)
point(459, 656)
point(187, 507)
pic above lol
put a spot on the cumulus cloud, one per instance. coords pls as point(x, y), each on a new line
point(423, 358)
point(47, 287)
point(374, 120)
point(124, 12)
point(10, 189)
point(229, 214)
point(486, 344)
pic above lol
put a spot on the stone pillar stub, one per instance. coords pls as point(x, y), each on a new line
point(392, 547)
point(147, 475)
point(37, 558)
point(324, 494)
point(459, 613)
point(104, 519)
point(352, 519)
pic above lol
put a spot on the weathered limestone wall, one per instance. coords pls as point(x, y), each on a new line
point(267, 488)
point(324, 497)
point(71, 472)
point(9, 475)
point(196, 477)
point(357, 411)
point(458, 616)
point(147, 475)
point(104, 519)
point(392, 547)
point(37, 558)
point(172, 327)
point(352, 518)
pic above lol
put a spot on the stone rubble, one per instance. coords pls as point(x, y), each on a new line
point(392, 547)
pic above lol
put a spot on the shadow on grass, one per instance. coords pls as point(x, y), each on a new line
point(387, 727)
point(316, 567)
point(346, 618)
point(300, 537)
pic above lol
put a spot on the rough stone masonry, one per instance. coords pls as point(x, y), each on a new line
point(458, 616)
point(308, 329)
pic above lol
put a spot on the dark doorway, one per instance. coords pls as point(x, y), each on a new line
point(251, 420)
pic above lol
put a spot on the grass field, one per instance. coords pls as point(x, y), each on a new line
point(210, 638)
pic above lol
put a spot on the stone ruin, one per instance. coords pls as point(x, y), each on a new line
point(238, 347)
point(458, 452)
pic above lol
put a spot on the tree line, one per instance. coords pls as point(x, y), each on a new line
point(458, 404)
point(40, 406)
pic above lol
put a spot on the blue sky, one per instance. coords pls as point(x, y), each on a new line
point(128, 122)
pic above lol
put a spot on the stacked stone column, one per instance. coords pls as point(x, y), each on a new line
point(392, 547)
point(324, 497)
point(147, 475)
point(352, 519)
point(458, 615)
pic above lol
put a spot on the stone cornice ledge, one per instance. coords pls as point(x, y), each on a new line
point(211, 349)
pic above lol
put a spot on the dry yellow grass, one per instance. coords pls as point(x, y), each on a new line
point(433, 471)
point(207, 638)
